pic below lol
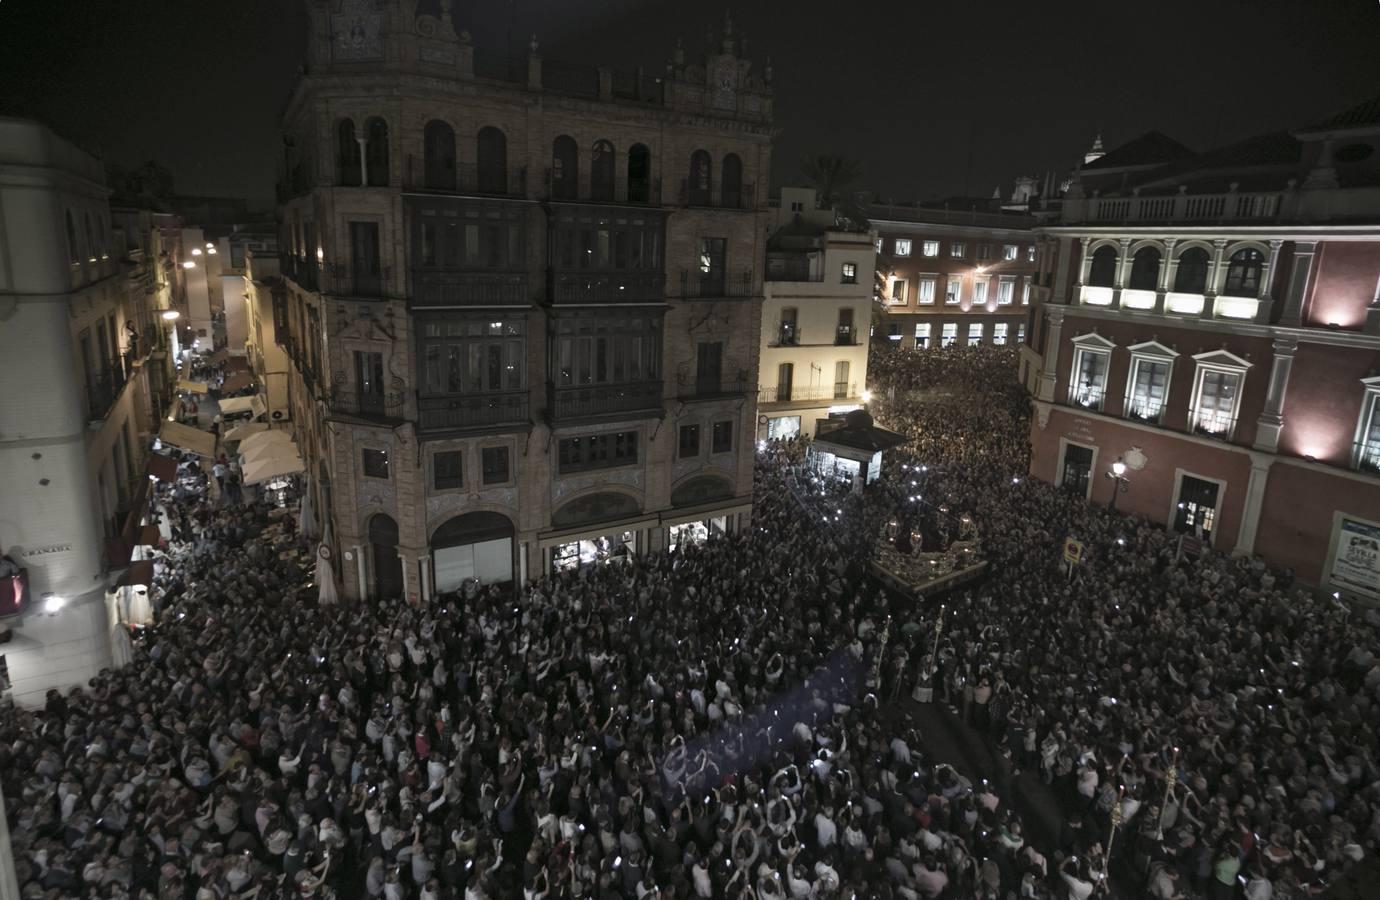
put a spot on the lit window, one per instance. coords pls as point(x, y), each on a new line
point(1006, 290)
point(1088, 382)
point(925, 289)
point(1020, 333)
point(999, 332)
point(956, 249)
point(1368, 434)
point(979, 291)
point(953, 289)
point(893, 332)
point(1147, 385)
point(879, 245)
point(1025, 293)
point(949, 334)
point(850, 273)
point(903, 246)
point(1216, 394)
point(1009, 251)
point(1030, 253)
point(922, 335)
point(898, 290)
point(974, 334)
point(929, 248)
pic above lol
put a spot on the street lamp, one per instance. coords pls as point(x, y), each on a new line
point(1120, 483)
point(171, 315)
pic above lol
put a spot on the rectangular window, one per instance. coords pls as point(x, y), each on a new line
point(1368, 448)
point(448, 470)
point(925, 289)
point(929, 248)
point(1009, 251)
point(999, 331)
point(902, 246)
point(898, 291)
point(1149, 388)
point(1025, 293)
point(375, 463)
point(974, 334)
point(879, 245)
point(844, 333)
point(785, 375)
point(850, 273)
point(787, 333)
point(1020, 333)
point(1215, 412)
point(1006, 290)
point(713, 266)
point(723, 437)
point(708, 367)
point(841, 387)
point(949, 334)
point(1089, 378)
point(922, 335)
point(1030, 253)
point(495, 465)
point(893, 332)
point(689, 446)
point(953, 290)
point(979, 292)
point(597, 451)
point(956, 249)
point(984, 251)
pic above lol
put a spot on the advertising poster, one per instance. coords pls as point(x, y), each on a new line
point(1356, 566)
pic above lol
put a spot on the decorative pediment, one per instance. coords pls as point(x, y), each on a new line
point(1223, 358)
point(1153, 348)
point(1093, 341)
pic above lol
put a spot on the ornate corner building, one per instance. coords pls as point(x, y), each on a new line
point(520, 301)
point(1213, 321)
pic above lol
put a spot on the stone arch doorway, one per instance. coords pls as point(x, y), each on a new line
point(473, 545)
point(383, 551)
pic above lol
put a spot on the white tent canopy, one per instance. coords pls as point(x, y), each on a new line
point(195, 387)
point(270, 451)
point(264, 437)
point(240, 432)
point(232, 406)
point(272, 467)
point(185, 437)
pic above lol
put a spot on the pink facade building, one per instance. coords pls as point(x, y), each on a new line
point(1212, 321)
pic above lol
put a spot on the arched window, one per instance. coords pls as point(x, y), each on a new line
point(701, 183)
point(1191, 277)
point(1243, 273)
point(439, 155)
point(493, 161)
point(73, 251)
point(565, 168)
point(347, 154)
point(639, 174)
point(376, 152)
point(1103, 270)
point(601, 171)
point(1145, 269)
point(732, 182)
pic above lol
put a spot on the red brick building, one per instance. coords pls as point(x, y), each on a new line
point(958, 274)
point(1213, 321)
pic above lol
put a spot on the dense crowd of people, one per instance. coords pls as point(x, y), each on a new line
point(726, 721)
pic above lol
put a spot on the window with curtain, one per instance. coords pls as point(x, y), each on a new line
point(1090, 378)
point(1149, 390)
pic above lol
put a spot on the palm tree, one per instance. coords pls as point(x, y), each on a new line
point(831, 176)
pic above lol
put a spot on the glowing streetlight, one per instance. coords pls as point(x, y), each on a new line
point(1119, 481)
point(171, 315)
point(196, 251)
point(189, 265)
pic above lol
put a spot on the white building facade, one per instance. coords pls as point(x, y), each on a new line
point(815, 319)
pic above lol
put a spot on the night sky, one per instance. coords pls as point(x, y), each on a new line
point(933, 97)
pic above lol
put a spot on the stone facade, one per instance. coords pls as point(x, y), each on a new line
point(469, 252)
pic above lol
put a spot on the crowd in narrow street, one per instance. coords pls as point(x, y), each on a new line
point(710, 723)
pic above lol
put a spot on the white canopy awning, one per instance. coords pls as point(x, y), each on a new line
point(196, 387)
point(268, 451)
point(269, 436)
point(231, 406)
point(185, 437)
point(240, 432)
point(272, 467)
